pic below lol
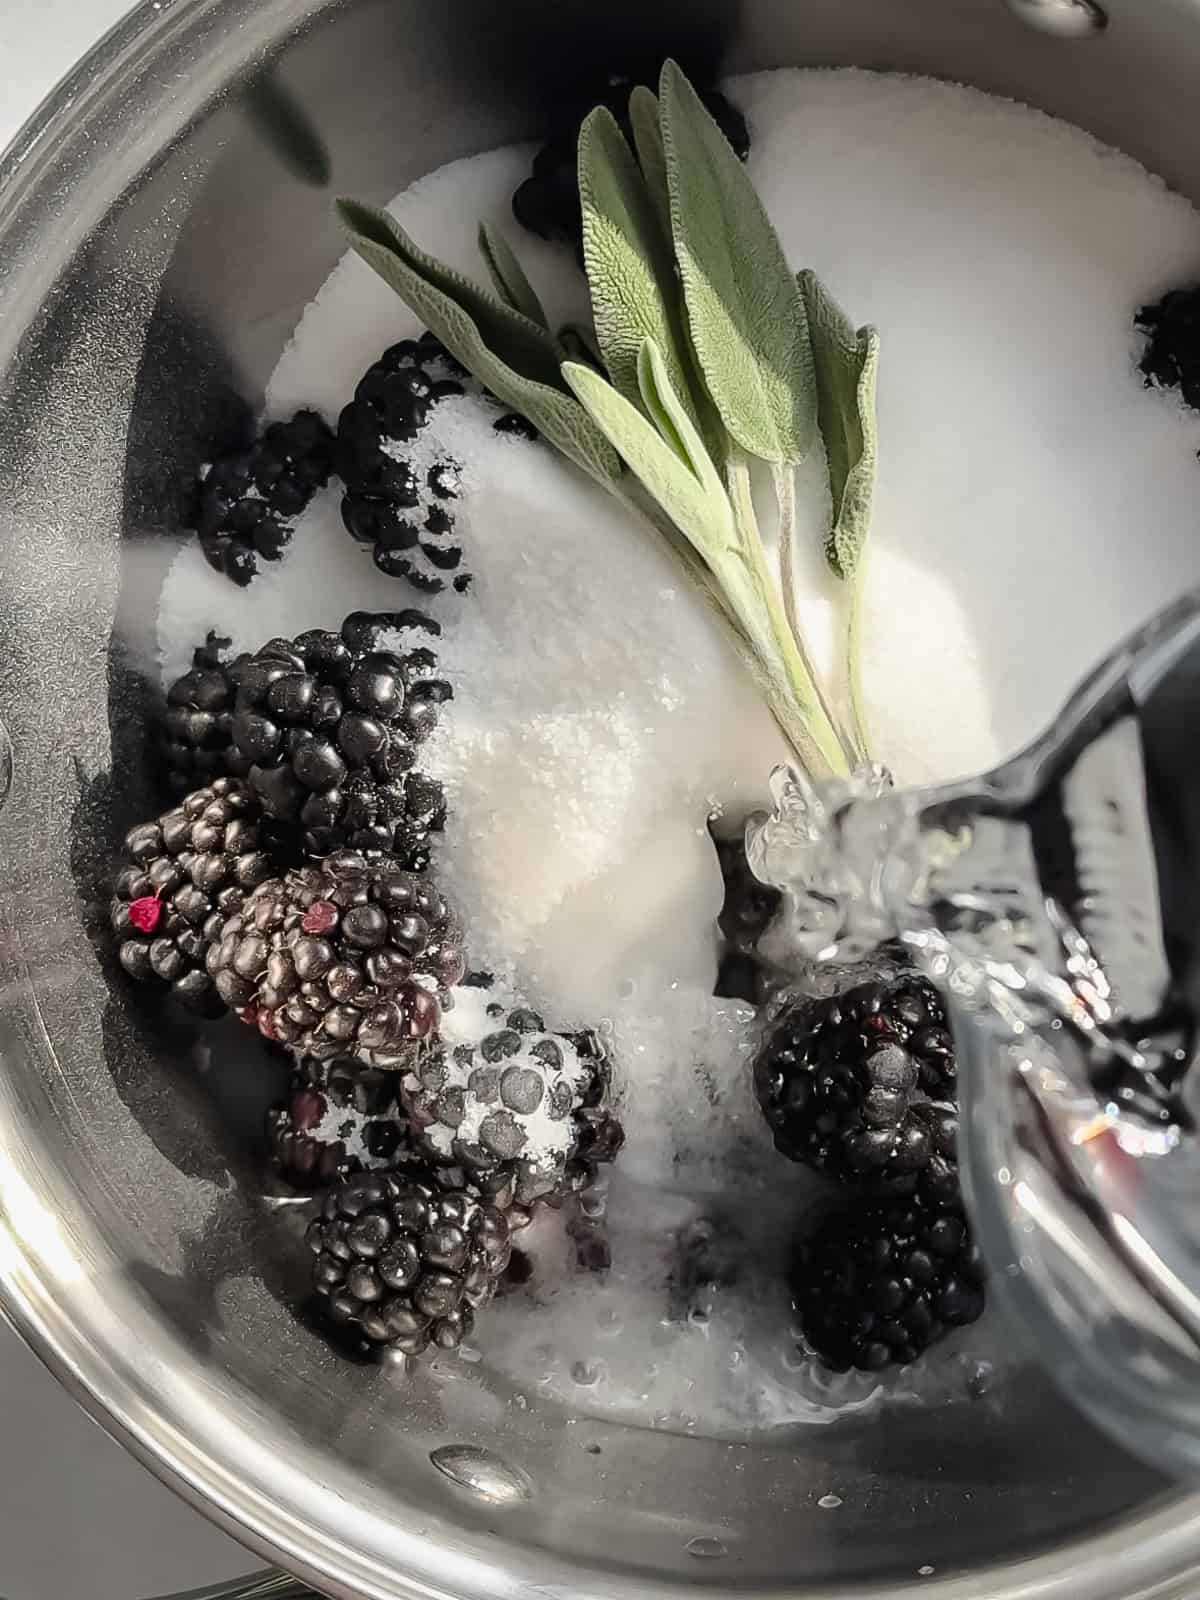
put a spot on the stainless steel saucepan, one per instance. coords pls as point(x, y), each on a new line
point(162, 222)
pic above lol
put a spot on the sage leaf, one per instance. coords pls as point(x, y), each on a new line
point(630, 269)
point(648, 142)
point(847, 366)
point(508, 275)
point(745, 311)
point(706, 521)
point(509, 354)
point(518, 342)
point(670, 415)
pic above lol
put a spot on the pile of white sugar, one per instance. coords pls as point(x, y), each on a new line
point(1034, 501)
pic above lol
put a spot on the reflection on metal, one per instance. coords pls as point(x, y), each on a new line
point(259, 1586)
point(1067, 19)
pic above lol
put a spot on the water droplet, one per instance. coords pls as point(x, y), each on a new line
point(592, 1449)
point(925, 1572)
point(706, 1549)
point(588, 1373)
point(482, 1473)
point(829, 1502)
point(521, 1403)
point(698, 1317)
point(980, 1375)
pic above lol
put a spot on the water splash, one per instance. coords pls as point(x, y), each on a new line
point(1054, 900)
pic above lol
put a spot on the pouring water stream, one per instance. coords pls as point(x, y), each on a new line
point(1056, 902)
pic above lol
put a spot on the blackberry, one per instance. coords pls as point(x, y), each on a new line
point(396, 500)
point(349, 958)
point(1171, 357)
point(405, 1263)
point(329, 724)
point(880, 1283)
point(520, 1109)
point(547, 203)
point(247, 501)
point(196, 743)
point(339, 1118)
point(187, 871)
point(862, 1086)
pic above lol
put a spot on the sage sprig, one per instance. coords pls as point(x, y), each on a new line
point(846, 362)
point(708, 354)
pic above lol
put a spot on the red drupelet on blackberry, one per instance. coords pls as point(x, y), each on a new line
point(197, 735)
point(349, 958)
point(400, 507)
point(188, 870)
point(247, 500)
point(406, 1263)
point(329, 724)
point(862, 1087)
point(878, 1284)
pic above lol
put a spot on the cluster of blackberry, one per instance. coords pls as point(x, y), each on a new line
point(398, 499)
point(861, 1087)
point(246, 502)
point(290, 884)
point(1171, 355)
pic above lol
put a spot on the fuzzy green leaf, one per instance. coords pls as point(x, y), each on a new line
point(745, 312)
point(705, 520)
point(671, 417)
point(508, 275)
point(847, 365)
point(509, 354)
point(630, 268)
point(644, 118)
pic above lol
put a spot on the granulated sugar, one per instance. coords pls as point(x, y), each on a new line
point(1034, 501)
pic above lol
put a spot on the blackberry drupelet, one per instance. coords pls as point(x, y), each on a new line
point(547, 203)
point(196, 740)
point(339, 1118)
point(406, 1263)
point(187, 871)
point(329, 724)
point(399, 504)
point(1171, 358)
point(862, 1087)
point(349, 958)
point(247, 501)
point(520, 1109)
point(879, 1283)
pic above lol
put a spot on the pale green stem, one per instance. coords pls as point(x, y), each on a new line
point(807, 722)
point(784, 476)
point(858, 705)
point(785, 495)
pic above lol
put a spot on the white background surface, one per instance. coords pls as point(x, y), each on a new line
point(79, 1519)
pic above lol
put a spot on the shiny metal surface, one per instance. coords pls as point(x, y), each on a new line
point(1066, 19)
point(160, 227)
